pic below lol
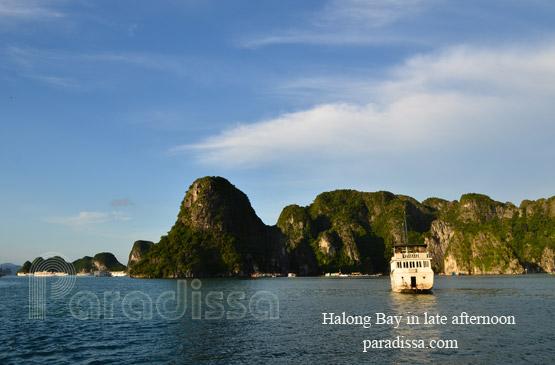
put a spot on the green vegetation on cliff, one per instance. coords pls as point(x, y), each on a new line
point(26, 268)
point(353, 231)
point(104, 261)
point(84, 265)
point(217, 233)
point(494, 237)
point(52, 264)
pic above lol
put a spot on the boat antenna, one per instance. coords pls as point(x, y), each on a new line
point(405, 231)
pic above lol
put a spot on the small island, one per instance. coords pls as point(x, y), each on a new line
point(102, 264)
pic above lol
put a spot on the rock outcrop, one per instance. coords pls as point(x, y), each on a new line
point(139, 250)
point(217, 233)
point(104, 261)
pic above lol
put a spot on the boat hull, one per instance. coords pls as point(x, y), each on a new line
point(409, 281)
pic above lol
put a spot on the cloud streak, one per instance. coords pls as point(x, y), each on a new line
point(86, 219)
point(441, 101)
point(72, 70)
point(81, 219)
point(11, 10)
point(344, 22)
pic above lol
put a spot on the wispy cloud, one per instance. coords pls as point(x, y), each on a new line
point(34, 10)
point(81, 219)
point(71, 69)
point(120, 216)
point(125, 202)
point(63, 82)
point(344, 22)
point(439, 101)
point(87, 219)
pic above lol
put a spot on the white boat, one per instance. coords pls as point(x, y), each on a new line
point(42, 273)
point(118, 273)
point(411, 267)
point(102, 274)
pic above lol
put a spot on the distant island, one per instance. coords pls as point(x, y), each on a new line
point(9, 269)
point(104, 261)
point(217, 233)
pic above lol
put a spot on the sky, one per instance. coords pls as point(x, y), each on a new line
point(109, 110)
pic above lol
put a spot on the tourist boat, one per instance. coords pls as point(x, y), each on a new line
point(102, 274)
point(118, 273)
point(411, 267)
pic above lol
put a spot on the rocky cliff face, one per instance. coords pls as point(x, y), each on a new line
point(480, 236)
point(218, 233)
point(139, 250)
point(349, 230)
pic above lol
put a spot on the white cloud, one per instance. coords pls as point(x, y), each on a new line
point(120, 216)
point(344, 22)
point(81, 219)
point(442, 101)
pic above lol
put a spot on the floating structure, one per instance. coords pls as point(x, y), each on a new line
point(102, 274)
point(43, 273)
point(266, 275)
point(118, 274)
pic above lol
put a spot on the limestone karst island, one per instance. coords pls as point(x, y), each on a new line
point(217, 233)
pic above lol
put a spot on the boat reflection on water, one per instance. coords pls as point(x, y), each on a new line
point(412, 332)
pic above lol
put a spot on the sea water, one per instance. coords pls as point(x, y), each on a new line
point(276, 320)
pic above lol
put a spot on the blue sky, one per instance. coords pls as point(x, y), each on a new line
point(109, 110)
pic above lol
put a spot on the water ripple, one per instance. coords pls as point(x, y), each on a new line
point(298, 335)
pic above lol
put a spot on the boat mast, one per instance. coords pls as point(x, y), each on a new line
point(405, 232)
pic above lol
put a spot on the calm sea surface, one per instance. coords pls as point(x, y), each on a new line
point(125, 321)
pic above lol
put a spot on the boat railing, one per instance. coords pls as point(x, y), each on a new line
point(417, 255)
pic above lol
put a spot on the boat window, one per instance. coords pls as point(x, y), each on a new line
point(425, 263)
